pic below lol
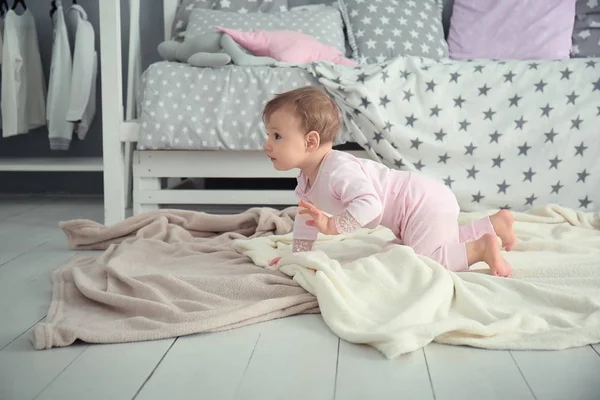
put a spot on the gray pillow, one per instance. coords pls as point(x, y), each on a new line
point(185, 7)
point(324, 23)
point(586, 30)
point(385, 29)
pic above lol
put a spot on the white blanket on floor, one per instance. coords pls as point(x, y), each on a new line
point(398, 302)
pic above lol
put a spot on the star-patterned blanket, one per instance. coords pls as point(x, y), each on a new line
point(500, 134)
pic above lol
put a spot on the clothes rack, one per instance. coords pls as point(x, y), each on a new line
point(46, 164)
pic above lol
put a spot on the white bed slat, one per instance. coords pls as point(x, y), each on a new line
point(248, 197)
point(206, 164)
point(210, 164)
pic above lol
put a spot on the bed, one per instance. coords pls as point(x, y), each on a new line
point(156, 157)
point(211, 127)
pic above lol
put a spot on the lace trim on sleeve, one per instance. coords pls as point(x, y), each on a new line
point(302, 245)
point(345, 222)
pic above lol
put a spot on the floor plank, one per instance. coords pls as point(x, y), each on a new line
point(268, 360)
point(54, 211)
point(559, 375)
point(111, 371)
point(107, 371)
point(459, 372)
point(13, 206)
point(26, 288)
point(212, 364)
point(16, 240)
point(25, 231)
point(26, 371)
point(363, 372)
point(295, 358)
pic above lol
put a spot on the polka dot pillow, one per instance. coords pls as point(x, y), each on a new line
point(385, 29)
point(324, 24)
point(186, 7)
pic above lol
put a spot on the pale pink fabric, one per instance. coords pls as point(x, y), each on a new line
point(286, 46)
point(419, 210)
point(511, 29)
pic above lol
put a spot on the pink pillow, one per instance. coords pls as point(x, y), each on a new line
point(511, 29)
point(286, 46)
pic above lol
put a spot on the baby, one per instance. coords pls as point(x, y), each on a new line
point(301, 127)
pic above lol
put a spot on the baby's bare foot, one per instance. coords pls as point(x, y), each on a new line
point(493, 258)
point(502, 222)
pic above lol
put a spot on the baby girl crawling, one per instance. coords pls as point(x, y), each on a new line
point(421, 212)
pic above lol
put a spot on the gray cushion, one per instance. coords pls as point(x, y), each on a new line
point(325, 24)
point(445, 18)
point(586, 31)
point(185, 8)
point(382, 30)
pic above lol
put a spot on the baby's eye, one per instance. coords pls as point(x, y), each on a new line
point(277, 136)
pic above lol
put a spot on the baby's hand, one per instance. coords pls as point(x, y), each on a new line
point(319, 220)
point(274, 261)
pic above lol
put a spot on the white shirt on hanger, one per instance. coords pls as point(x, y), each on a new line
point(82, 107)
point(60, 130)
point(23, 100)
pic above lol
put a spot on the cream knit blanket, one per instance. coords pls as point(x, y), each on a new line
point(398, 302)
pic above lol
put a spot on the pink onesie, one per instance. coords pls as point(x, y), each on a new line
point(419, 210)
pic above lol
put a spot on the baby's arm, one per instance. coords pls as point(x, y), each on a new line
point(354, 189)
point(304, 235)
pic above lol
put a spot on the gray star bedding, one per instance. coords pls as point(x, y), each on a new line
point(182, 107)
point(502, 134)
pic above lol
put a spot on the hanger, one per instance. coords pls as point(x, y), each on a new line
point(17, 2)
point(53, 7)
point(4, 7)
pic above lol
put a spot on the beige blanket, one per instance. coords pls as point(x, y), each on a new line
point(398, 302)
point(165, 274)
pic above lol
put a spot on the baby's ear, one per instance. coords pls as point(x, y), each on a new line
point(313, 140)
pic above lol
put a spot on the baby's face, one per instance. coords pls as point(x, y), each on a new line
point(285, 145)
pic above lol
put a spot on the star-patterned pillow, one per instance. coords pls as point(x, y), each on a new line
point(385, 29)
point(185, 8)
point(324, 24)
point(586, 30)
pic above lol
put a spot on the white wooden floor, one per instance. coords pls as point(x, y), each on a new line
point(292, 358)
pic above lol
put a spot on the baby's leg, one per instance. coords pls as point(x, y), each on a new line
point(475, 229)
point(499, 224)
point(434, 233)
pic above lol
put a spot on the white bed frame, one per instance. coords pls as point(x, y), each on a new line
point(146, 168)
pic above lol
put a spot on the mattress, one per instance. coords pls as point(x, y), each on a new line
point(182, 107)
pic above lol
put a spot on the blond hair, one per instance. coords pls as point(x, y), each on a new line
point(315, 110)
